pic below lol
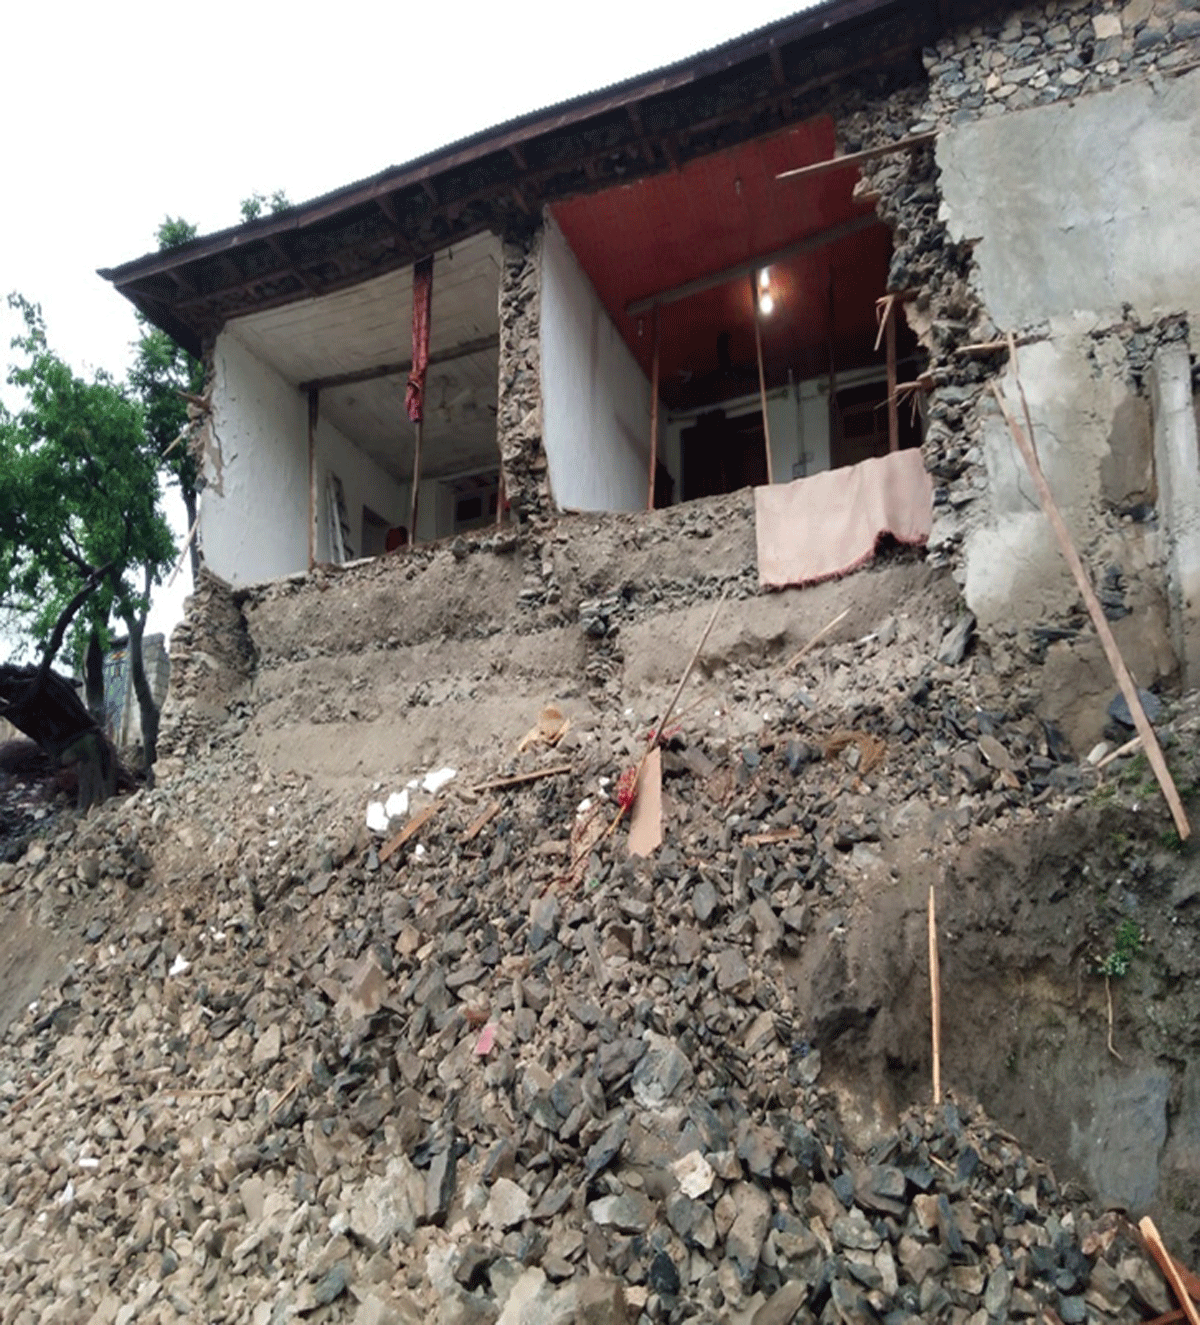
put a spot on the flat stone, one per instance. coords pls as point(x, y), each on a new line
point(508, 1205)
point(631, 1212)
point(781, 1307)
point(694, 1174)
point(663, 1070)
point(752, 1219)
point(267, 1047)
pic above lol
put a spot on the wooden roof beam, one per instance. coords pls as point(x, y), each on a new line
point(809, 244)
point(463, 351)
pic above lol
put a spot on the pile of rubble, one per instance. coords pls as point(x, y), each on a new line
point(482, 1066)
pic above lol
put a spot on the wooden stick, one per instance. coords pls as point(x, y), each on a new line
point(480, 823)
point(1154, 1244)
point(854, 158)
point(187, 543)
point(762, 381)
point(892, 401)
point(416, 483)
point(653, 413)
point(1096, 612)
point(687, 671)
point(520, 778)
point(1127, 749)
point(990, 346)
point(935, 998)
point(408, 832)
point(812, 643)
point(314, 404)
point(1112, 1049)
point(21, 1102)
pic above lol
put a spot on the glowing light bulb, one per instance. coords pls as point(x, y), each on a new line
point(766, 304)
point(764, 279)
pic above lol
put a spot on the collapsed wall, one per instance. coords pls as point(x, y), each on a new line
point(1050, 209)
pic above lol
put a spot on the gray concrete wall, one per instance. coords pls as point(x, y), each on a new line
point(1081, 209)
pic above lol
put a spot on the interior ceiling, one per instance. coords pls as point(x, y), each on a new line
point(370, 324)
point(647, 237)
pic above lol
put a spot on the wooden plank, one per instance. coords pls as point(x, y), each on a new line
point(314, 399)
point(810, 244)
point(653, 412)
point(408, 832)
point(857, 158)
point(519, 779)
point(479, 824)
point(398, 369)
point(1158, 1250)
point(935, 998)
point(762, 381)
point(1153, 750)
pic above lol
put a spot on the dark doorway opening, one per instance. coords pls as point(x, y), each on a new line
point(722, 454)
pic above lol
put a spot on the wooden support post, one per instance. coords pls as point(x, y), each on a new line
point(653, 413)
point(416, 483)
point(314, 399)
point(893, 403)
point(1149, 740)
point(762, 381)
point(935, 998)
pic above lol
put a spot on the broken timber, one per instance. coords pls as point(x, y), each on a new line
point(1153, 750)
point(856, 158)
point(408, 832)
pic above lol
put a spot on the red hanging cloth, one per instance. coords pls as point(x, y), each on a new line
point(414, 394)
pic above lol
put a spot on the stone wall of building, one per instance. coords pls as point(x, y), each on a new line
point(1053, 205)
point(519, 405)
point(212, 664)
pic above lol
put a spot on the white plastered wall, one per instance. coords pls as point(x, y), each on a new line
point(595, 397)
point(254, 509)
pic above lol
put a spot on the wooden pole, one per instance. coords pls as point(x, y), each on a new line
point(416, 483)
point(935, 999)
point(1168, 1267)
point(314, 400)
point(653, 412)
point(893, 403)
point(762, 381)
point(856, 158)
point(1149, 740)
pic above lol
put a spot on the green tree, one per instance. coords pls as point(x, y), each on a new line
point(82, 535)
point(162, 376)
point(252, 207)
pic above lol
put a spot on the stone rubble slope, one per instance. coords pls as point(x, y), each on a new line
point(516, 1076)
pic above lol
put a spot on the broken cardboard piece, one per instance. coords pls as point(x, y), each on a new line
point(552, 725)
point(646, 817)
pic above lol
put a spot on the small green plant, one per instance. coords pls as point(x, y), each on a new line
point(1127, 945)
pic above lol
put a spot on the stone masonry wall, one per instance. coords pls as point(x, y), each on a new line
point(519, 415)
point(212, 662)
point(1085, 372)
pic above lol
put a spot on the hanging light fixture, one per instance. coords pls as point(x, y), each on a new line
point(766, 300)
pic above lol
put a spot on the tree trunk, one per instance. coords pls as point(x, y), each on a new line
point(147, 708)
point(93, 676)
point(189, 505)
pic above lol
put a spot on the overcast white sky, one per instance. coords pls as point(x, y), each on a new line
point(117, 114)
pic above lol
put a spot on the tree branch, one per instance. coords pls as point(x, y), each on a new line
point(65, 617)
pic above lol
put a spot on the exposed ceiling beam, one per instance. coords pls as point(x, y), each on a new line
point(822, 238)
point(463, 351)
point(302, 276)
point(853, 158)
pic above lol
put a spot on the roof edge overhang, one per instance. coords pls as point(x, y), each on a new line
point(392, 218)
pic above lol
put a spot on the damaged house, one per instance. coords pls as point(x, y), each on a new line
point(782, 257)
